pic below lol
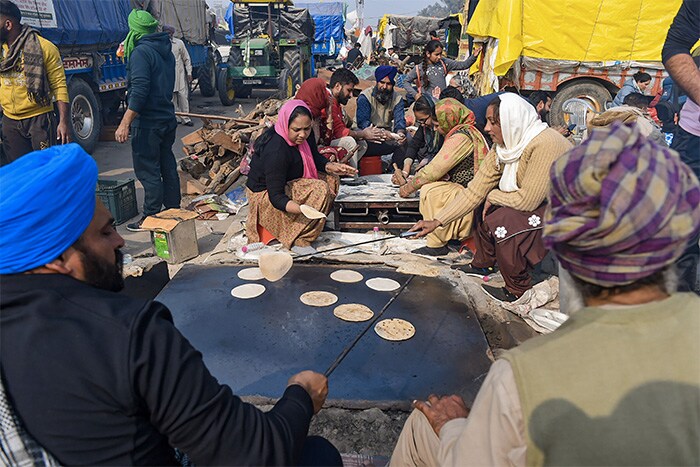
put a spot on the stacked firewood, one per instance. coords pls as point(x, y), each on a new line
point(215, 151)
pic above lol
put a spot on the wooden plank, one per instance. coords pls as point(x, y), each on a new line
point(232, 177)
point(193, 138)
point(225, 141)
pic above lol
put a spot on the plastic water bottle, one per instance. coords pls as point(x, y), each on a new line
point(252, 247)
point(376, 246)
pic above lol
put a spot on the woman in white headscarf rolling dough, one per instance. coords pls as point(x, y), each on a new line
point(507, 196)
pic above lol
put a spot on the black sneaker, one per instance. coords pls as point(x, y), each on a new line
point(136, 226)
point(427, 251)
point(499, 293)
point(470, 270)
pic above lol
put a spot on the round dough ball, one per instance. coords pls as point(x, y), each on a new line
point(250, 274)
point(247, 291)
point(382, 284)
point(347, 276)
point(318, 298)
point(395, 329)
point(354, 312)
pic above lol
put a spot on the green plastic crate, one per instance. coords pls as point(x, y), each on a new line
point(120, 198)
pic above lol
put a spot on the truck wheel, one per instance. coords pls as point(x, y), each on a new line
point(292, 64)
point(590, 91)
point(227, 92)
point(207, 77)
point(85, 114)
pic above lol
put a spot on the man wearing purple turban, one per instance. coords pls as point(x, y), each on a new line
point(382, 107)
point(619, 382)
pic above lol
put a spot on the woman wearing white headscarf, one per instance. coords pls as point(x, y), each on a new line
point(507, 196)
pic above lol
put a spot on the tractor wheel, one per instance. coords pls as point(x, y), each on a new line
point(285, 85)
point(292, 64)
point(85, 114)
point(235, 57)
point(207, 77)
point(590, 91)
point(227, 92)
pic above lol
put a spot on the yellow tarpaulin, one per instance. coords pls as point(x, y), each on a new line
point(383, 23)
point(581, 30)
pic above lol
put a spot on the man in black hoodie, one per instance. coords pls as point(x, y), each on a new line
point(151, 116)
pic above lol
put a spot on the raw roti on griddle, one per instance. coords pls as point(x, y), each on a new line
point(247, 291)
point(346, 276)
point(250, 274)
point(382, 284)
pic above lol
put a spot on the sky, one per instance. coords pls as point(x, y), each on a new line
point(375, 9)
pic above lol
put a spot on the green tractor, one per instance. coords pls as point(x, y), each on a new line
point(271, 49)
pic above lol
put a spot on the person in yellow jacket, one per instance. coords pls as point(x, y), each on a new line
point(31, 77)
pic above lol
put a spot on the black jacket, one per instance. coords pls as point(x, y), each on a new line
point(418, 147)
point(151, 79)
point(278, 163)
point(100, 378)
point(353, 55)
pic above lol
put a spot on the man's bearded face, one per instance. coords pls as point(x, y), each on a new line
point(101, 273)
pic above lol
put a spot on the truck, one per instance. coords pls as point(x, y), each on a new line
point(191, 23)
point(407, 35)
point(329, 22)
point(270, 48)
point(87, 34)
point(549, 45)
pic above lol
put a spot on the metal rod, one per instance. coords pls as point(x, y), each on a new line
point(347, 350)
point(402, 235)
point(218, 117)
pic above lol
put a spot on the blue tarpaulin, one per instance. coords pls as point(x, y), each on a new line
point(228, 17)
point(329, 19)
point(88, 25)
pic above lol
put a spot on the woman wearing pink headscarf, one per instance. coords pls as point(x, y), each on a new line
point(287, 171)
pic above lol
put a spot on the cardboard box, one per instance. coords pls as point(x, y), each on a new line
point(173, 235)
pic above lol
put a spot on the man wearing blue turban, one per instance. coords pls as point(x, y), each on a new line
point(382, 107)
point(101, 378)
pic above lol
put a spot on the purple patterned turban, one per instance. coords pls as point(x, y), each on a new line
point(621, 207)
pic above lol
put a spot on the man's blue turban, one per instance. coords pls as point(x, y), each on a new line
point(47, 200)
point(385, 70)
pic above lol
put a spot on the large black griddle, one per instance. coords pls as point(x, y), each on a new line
point(255, 345)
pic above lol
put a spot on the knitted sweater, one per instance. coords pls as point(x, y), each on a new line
point(532, 178)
